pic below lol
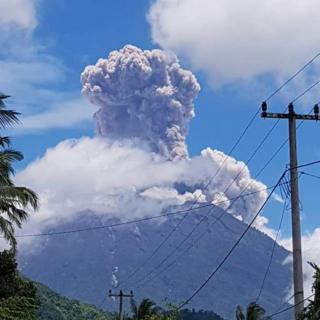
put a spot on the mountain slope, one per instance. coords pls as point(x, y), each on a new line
point(56, 307)
point(85, 265)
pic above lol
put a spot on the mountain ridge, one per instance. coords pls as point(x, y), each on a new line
point(85, 265)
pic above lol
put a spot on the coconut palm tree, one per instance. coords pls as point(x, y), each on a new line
point(14, 200)
point(312, 311)
point(146, 309)
point(254, 312)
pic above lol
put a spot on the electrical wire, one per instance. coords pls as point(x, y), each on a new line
point(272, 252)
point(259, 146)
point(289, 308)
point(218, 219)
point(212, 274)
point(242, 235)
point(305, 92)
point(285, 302)
point(218, 171)
point(156, 250)
point(310, 174)
point(292, 77)
point(136, 220)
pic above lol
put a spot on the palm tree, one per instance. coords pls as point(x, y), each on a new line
point(146, 309)
point(312, 311)
point(254, 312)
point(14, 200)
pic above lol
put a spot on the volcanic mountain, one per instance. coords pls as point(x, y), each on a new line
point(85, 265)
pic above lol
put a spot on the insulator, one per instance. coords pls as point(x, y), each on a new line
point(264, 106)
point(290, 108)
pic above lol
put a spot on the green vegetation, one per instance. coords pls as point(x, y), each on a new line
point(199, 315)
point(145, 310)
point(312, 311)
point(14, 201)
point(21, 299)
point(253, 312)
point(148, 310)
point(56, 307)
point(18, 297)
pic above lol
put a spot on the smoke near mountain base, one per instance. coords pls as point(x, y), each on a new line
point(118, 179)
point(144, 95)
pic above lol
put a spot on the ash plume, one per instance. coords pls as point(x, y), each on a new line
point(143, 95)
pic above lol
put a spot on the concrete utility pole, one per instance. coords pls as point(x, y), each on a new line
point(121, 295)
point(294, 186)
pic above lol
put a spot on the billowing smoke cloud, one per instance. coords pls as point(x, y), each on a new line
point(144, 95)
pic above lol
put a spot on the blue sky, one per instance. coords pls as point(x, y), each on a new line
point(73, 34)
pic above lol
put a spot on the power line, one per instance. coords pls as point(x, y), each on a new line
point(221, 166)
point(233, 247)
point(305, 91)
point(285, 303)
point(310, 174)
point(292, 77)
point(243, 234)
point(289, 308)
point(205, 188)
point(136, 220)
point(272, 252)
point(307, 164)
point(218, 219)
point(209, 212)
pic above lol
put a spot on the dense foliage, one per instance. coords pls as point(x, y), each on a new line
point(253, 312)
point(312, 311)
point(148, 310)
point(18, 297)
point(199, 315)
point(14, 200)
point(56, 307)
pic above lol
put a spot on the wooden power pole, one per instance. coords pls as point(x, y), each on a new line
point(120, 295)
point(294, 186)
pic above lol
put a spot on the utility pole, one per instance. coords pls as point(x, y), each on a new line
point(120, 295)
point(294, 186)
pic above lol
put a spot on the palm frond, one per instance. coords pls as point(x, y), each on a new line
point(21, 196)
point(255, 311)
point(14, 200)
point(5, 142)
point(8, 118)
point(239, 314)
point(7, 229)
point(17, 215)
point(9, 155)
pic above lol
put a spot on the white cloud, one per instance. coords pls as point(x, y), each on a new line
point(108, 178)
point(310, 253)
point(277, 197)
point(261, 223)
point(29, 83)
point(35, 79)
point(18, 13)
point(64, 114)
point(231, 40)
